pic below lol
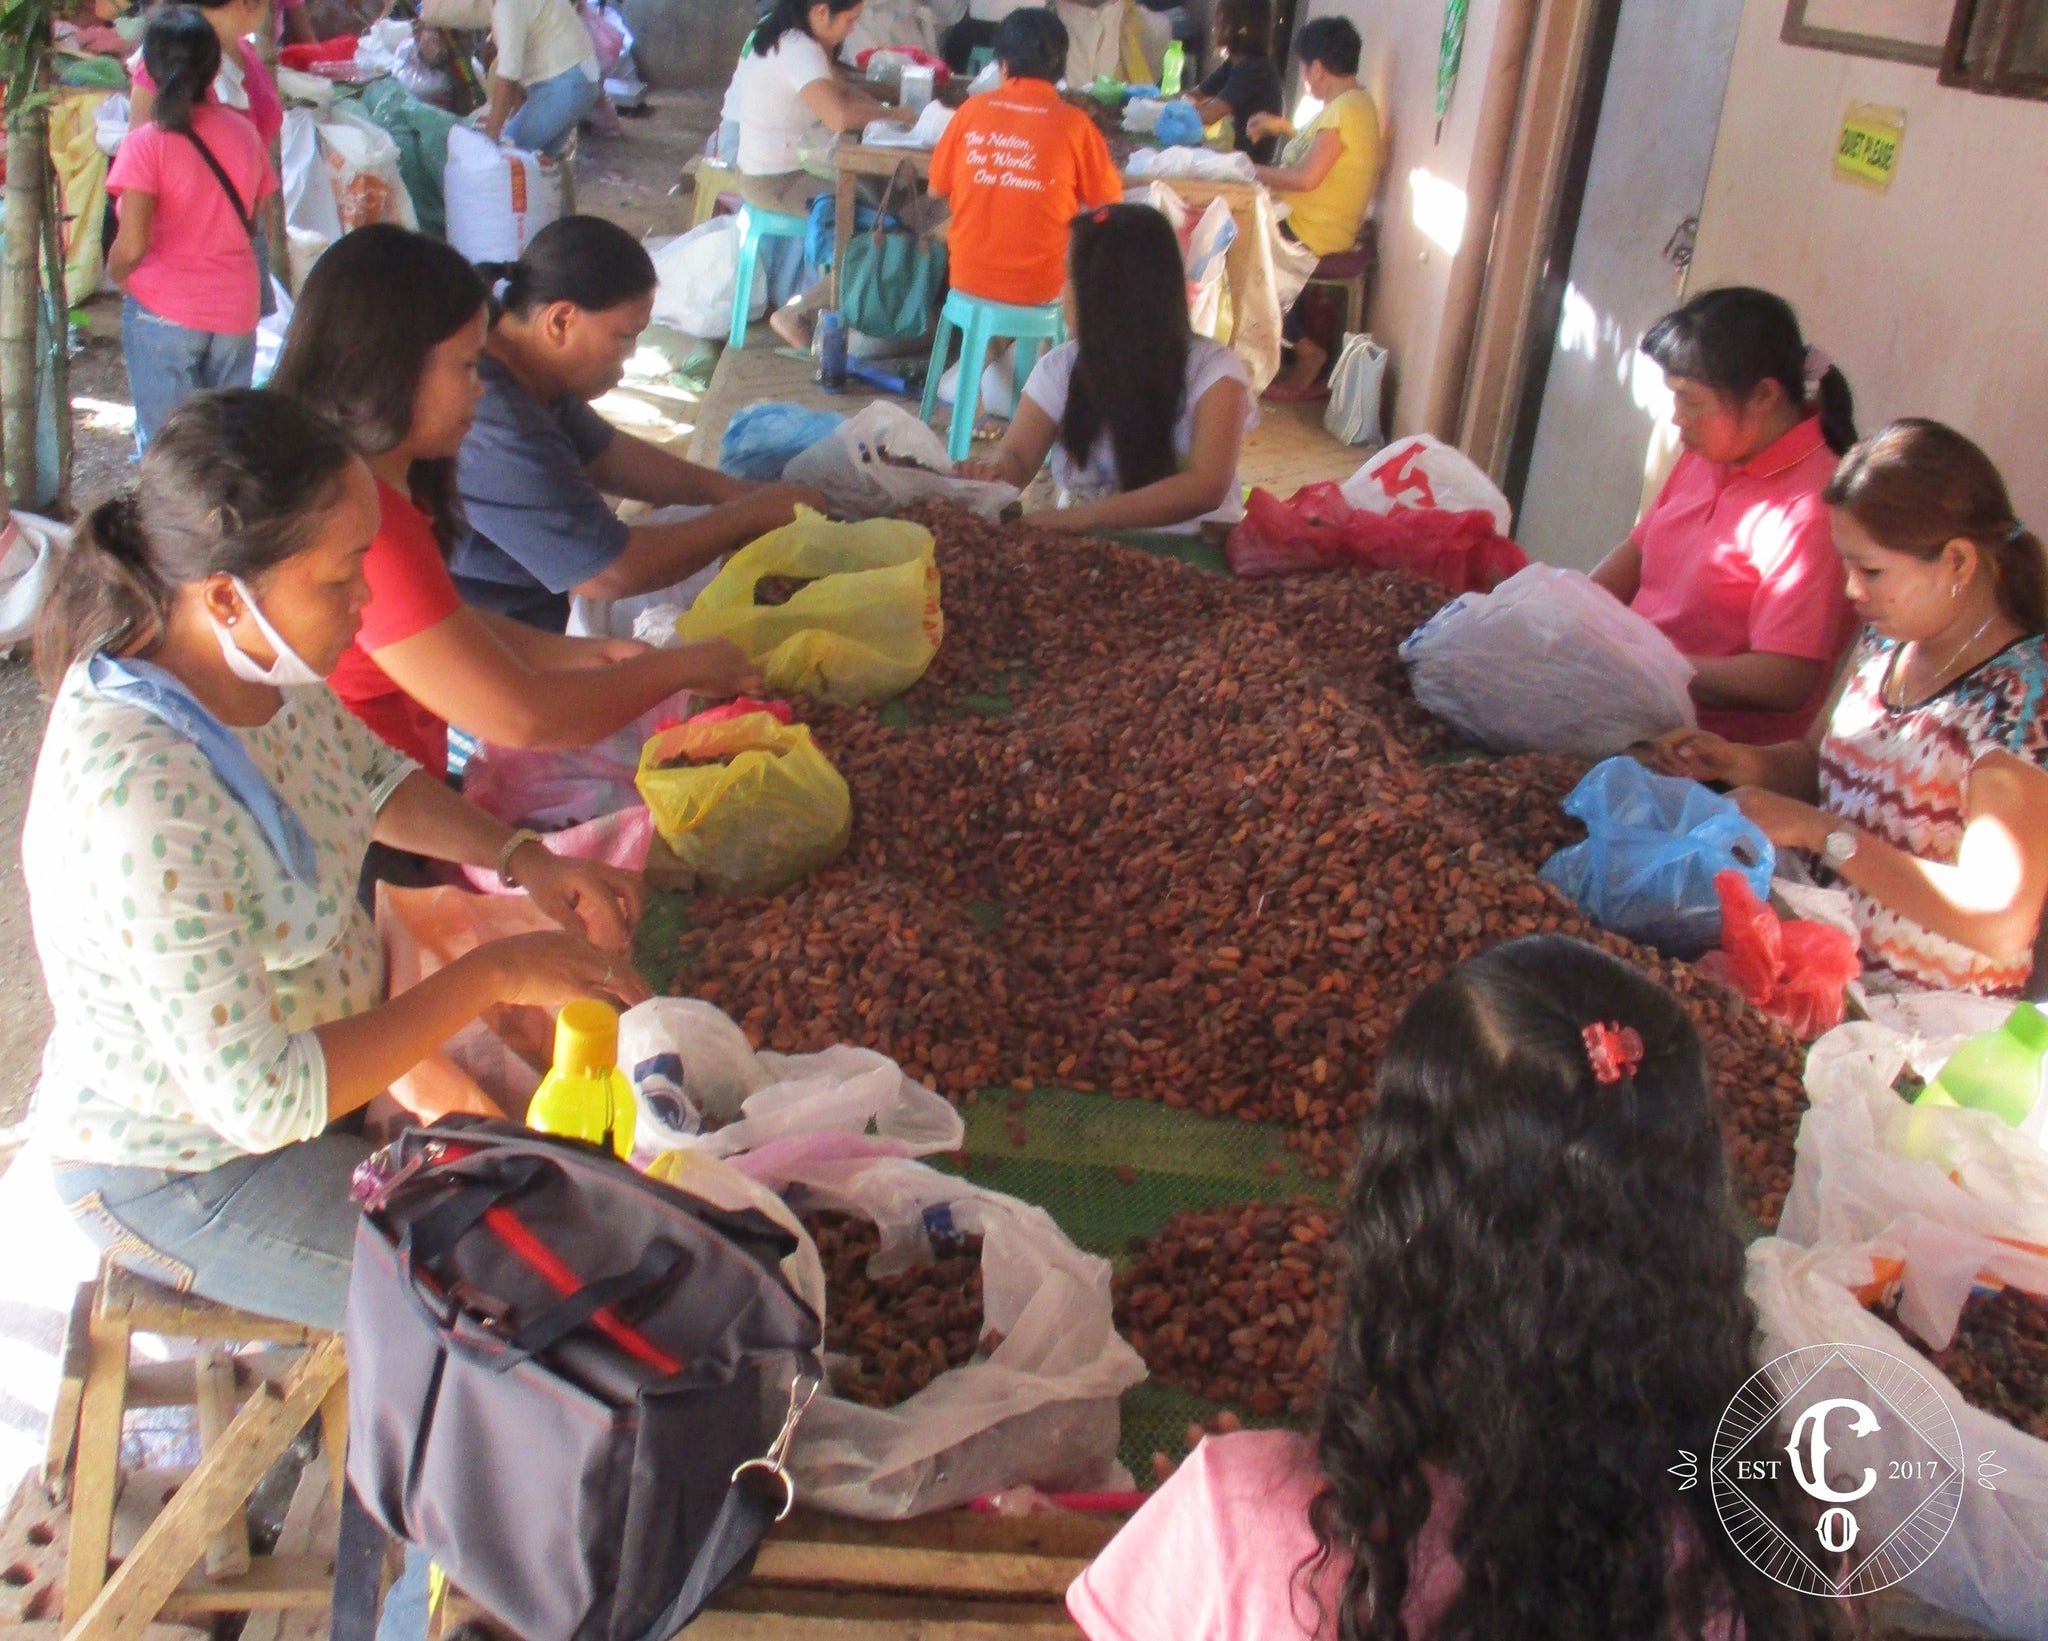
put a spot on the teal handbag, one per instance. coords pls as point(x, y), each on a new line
point(893, 279)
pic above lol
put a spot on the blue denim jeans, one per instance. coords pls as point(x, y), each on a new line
point(551, 111)
point(168, 363)
point(273, 1234)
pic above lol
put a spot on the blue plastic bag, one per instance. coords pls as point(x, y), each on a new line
point(1180, 126)
point(1653, 845)
point(761, 438)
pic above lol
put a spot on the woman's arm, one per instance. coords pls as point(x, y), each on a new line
point(1789, 768)
point(424, 817)
point(1620, 572)
point(131, 242)
point(545, 651)
point(460, 671)
point(1202, 487)
point(1022, 452)
point(1990, 900)
point(506, 96)
point(660, 555)
point(1758, 681)
point(844, 107)
point(1320, 160)
point(298, 27)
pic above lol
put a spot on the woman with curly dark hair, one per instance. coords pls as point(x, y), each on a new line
point(1544, 1304)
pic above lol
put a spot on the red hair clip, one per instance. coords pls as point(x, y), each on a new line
point(1615, 1051)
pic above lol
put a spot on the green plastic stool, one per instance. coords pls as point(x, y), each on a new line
point(979, 323)
point(755, 226)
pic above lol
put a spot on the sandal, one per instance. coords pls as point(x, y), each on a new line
point(1296, 393)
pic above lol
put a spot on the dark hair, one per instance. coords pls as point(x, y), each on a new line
point(1131, 324)
point(1917, 485)
point(182, 54)
point(1735, 339)
point(233, 483)
point(792, 14)
point(376, 303)
point(588, 261)
point(1031, 44)
point(1244, 28)
point(1543, 1301)
point(1331, 41)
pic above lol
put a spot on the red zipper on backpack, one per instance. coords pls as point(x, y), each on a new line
point(544, 1262)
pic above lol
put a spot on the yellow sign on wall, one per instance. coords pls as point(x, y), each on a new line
point(1868, 149)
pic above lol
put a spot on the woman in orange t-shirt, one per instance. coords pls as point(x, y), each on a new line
point(384, 343)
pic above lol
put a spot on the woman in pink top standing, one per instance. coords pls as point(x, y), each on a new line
point(187, 186)
point(1543, 1305)
point(241, 82)
point(1735, 562)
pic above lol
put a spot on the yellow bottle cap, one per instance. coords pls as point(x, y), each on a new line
point(586, 1038)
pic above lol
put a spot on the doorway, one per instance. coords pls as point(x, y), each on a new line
point(1590, 403)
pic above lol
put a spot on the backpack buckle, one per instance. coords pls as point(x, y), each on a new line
point(802, 1390)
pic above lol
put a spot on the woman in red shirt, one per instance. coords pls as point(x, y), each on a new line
point(384, 343)
point(1735, 562)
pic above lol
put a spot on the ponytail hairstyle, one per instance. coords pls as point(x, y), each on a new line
point(793, 14)
point(1917, 485)
point(586, 261)
point(1736, 338)
point(234, 484)
point(1131, 327)
point(1539, 1258)
point(375, 305)
point(182, 54)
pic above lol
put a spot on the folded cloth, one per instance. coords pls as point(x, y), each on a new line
point(1200, 164)
point(930, 127)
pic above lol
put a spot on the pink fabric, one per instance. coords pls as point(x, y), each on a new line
point(265, 110)
point(1214, 1555)
point(1741, 559)
point(200, 269)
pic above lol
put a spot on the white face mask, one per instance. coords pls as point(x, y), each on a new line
point(288, 668)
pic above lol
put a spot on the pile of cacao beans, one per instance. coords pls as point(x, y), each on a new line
point(888, 1337)
point(1157, 832)
point(1998, 1359)
point(1237, 1304)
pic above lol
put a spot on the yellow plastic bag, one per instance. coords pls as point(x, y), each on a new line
point(864, 633)
point(776, 810)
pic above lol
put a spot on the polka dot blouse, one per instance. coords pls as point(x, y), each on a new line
point(186, 967)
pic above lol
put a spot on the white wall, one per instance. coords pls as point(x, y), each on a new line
point(1399, 68)
point(1933, 298)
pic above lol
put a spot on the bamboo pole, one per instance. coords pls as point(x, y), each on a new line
point(57, 299)
point(28, 149)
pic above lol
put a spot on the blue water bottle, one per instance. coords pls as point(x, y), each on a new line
point(832, 352)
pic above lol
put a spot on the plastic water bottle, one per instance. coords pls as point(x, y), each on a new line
point(832, 351)
point(1172, 69)
point(1996, 1071)
point(585, 1095)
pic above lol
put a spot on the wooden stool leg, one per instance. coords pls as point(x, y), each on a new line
point(228, 1555)
point(334, 1436)
point(70, 1393)
point(97, 1464)
point(252, 1442)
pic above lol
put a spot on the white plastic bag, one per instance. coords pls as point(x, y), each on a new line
point(309, 203)
point(696, 271)
point(1356, 385)
point(1548, 662)
point(498, 198)
point(110, 124)
point(29, 550)
point(1423, 471)
point(1041, 1409)
point(846, 466)
point(688, 1061)
point(362, 165)
point(1993, 1564)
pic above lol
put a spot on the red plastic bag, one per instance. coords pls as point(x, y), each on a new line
point(1795, 972)
point(305, 58)
point(1319, 530)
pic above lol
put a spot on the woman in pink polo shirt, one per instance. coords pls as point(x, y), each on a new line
point(1735, 562)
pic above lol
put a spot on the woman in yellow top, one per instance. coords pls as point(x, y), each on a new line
point(1327, 175)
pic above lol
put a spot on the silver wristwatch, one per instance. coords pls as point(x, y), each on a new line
point(1840, 848)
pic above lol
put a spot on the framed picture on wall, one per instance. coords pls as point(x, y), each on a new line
point(1901, 31)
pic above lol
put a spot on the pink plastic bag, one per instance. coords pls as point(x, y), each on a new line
point(552, 791)
point(620, 840)
point(1796, 972)
point(1278, 537)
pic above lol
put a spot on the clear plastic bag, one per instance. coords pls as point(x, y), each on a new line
point(1654, 844)
point(882, 459)
point(1041, 1409)
point(1548, 662)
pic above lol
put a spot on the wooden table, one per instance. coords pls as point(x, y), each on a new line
point(852, 161)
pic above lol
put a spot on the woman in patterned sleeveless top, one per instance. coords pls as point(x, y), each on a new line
point(1924, 787)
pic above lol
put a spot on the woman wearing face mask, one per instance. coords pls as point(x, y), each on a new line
point(1733, 563)
point(1925, 787)
point(384, 344)
point(199, 817)
point(538, 462)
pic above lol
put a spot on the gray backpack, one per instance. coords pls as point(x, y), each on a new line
point(571, 1384)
